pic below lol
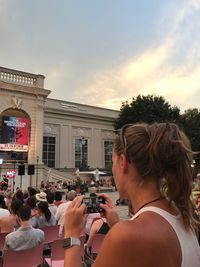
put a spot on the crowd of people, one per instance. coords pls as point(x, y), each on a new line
point(23, 215)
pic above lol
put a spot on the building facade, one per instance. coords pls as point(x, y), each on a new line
point(62, 135)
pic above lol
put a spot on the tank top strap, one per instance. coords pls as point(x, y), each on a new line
point(168, 216)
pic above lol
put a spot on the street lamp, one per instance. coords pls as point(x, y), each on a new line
point(83, 141)
point(37, 171)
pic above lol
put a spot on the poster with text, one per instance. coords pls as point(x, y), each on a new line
point(15, 133)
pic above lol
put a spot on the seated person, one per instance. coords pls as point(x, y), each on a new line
point(44, 217)
point(8, 199)
point(31, 202)
point(3, 209)
point(90, 220)
point(19, 195)
point(50, 200)
point(26, 236)
point(9, 223)
point(31, 191)
point(99, 226)
point(62, 208)
point(58, 198)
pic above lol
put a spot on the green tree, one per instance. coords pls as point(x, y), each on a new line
point(147, 109)
point(190, 122)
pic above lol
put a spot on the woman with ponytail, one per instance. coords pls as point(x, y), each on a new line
point(45, 218)
point(152, 169)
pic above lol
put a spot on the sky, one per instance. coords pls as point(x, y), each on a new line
point(104, 52)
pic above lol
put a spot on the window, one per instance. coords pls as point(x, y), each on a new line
point(108, 146)
point(49, 150)
point(81, 153)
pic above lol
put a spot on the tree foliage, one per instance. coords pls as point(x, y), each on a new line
point(152, 108)
point(190, 122)
point(147, 109)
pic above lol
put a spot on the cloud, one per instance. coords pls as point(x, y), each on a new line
point(171, 68)
point(4, 9)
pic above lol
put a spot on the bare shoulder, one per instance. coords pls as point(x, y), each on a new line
point(120, 245)
point(128, 241)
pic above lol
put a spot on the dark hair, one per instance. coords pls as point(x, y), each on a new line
point(163, 151)
point(31, 201)
point(58, 196)
point(50, 197)
point(43, 207)
point(19, 195)
point(25, 194)
point(32, 191)
point(24, 212)
point(2, 202)
point(15, 205)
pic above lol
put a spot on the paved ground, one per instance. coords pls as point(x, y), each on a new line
point(121, 209)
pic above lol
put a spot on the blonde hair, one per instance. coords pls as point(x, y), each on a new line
point(163, 151)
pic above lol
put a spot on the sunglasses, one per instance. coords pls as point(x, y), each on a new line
point(122, 137)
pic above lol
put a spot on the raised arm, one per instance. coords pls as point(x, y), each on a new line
point(75, 219)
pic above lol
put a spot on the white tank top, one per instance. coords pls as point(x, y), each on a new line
point(190, 248)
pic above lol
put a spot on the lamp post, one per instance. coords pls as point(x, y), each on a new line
point(37, 171)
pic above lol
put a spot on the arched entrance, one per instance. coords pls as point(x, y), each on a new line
point(15, 129)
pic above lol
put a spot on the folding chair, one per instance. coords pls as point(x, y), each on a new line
point(2, 242)
point(50, 233)
point(96, 243)
point(29, 257)
point(57, 253)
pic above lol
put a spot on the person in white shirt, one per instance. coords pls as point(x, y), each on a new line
point(50, 200)
point(60, 213)
point(3, 211)
point(26, 236)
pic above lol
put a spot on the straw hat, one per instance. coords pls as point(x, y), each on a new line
point(42, 196)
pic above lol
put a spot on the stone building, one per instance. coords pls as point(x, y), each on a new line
point(62, 136)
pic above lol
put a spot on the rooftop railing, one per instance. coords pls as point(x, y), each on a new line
point(20, 77)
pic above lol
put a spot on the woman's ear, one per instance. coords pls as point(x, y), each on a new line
point(123, 163)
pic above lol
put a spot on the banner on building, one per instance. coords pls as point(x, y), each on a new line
point(14, 133)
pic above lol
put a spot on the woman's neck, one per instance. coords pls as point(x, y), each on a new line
point(144, 194)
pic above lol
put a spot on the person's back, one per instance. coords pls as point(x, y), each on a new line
point(62, 208)
point(50, 200)
point(26, 236)
point(99, 226)
point(45, 218)
point(58, 198)
point(3, 210)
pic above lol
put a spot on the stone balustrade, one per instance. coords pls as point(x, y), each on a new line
point(20, 77)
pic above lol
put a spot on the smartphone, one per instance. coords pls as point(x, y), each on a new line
point(93, 204)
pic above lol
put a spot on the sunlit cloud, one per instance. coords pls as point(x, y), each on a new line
point(56, 76)
point(171, 68)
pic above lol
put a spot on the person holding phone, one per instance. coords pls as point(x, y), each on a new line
point(152, 170)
